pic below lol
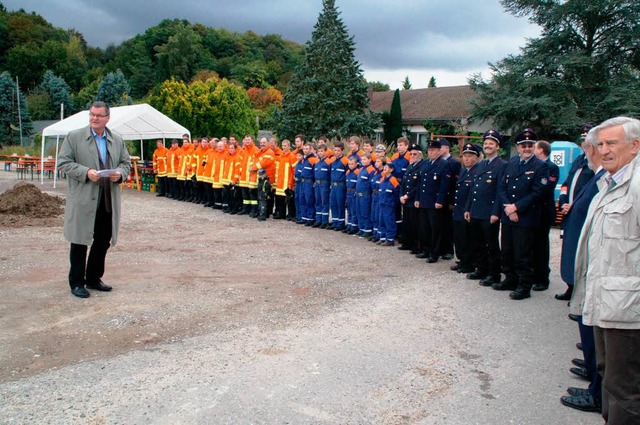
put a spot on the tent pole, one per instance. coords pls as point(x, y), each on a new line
point(55, 169)
point(43, 141)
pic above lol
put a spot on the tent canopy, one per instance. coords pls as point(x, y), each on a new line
point(134, 122)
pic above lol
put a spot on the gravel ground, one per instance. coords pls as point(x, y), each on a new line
point(223, 319)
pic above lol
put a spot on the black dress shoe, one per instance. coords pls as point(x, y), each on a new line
point(579, 346)
point(581, 372)
point(447, 257)
point(99, 286)
point(488, 281)
point(80, 292)
point(432, 260)
point(464, 269)
point(579, 363)
point(520, 294)
point(573, 317)
point(566, 296)
point(422, 255)
point(505, 285)
point(476, 275)
point(540, 287)
point(585, 403)
point(575, 391)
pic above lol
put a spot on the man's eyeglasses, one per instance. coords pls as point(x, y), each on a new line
point(97, 115)
point(414, 153)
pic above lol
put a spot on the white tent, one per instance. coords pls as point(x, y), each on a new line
point(134, 122)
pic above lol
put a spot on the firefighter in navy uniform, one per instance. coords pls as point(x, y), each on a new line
point(455, 167)
point(409, 188)
point(431, 200)
point(461, 227)
point(483, 212)
point(541, 270)
point(520, 195)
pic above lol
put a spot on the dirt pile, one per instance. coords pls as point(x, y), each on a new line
point(26, 205)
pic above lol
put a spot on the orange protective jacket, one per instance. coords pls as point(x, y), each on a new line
point(160, 161)
point(185, 163)
point(232, 167)
point(217, 170)
point(266, 159)
point(209, 158)
point(173, 161)
point(247, 178)
point(285, 172)
point(196, 161)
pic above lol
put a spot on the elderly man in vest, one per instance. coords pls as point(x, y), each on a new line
point(607, 271)
point(95, 160)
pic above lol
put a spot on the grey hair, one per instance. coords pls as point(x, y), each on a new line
point(101, 104)
point(630, 126)
point(591, 139)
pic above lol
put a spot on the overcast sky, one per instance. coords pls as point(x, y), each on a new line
point(448, 39)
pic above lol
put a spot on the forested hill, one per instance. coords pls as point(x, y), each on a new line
point(29, 46)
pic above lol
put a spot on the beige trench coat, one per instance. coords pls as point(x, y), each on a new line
point(77, 155)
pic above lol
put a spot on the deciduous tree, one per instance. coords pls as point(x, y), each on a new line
point(213, 107)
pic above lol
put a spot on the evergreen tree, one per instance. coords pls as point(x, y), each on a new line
point(406, 84)
point(9, 118)
point(328, 94)
point(393, 128)
point(114, 89)
point(432, 82)
point(585, 67)
point(59, 92)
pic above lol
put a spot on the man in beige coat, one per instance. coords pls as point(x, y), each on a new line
point(607, 270)
point(95, 160)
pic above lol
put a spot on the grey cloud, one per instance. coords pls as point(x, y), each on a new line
point(452, 35)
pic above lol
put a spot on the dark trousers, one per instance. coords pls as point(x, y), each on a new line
point(541, 268)
point(587, 339)
point(517, 255)
point(234, 197)
point(619, 364)
point(217, 197)
point(447, 230)
point(399, 225)
point(84, 271)
point(486, 247)
point(281, 206)
point(208, 195)
point(462, 242)
point(161, 189)
point(291, 205)
point(410, 227)
point(171, 187)
point(431, 222)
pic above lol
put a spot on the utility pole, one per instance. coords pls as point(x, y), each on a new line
point(19, 113)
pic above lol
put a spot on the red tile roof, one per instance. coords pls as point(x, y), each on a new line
point(435, 103)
